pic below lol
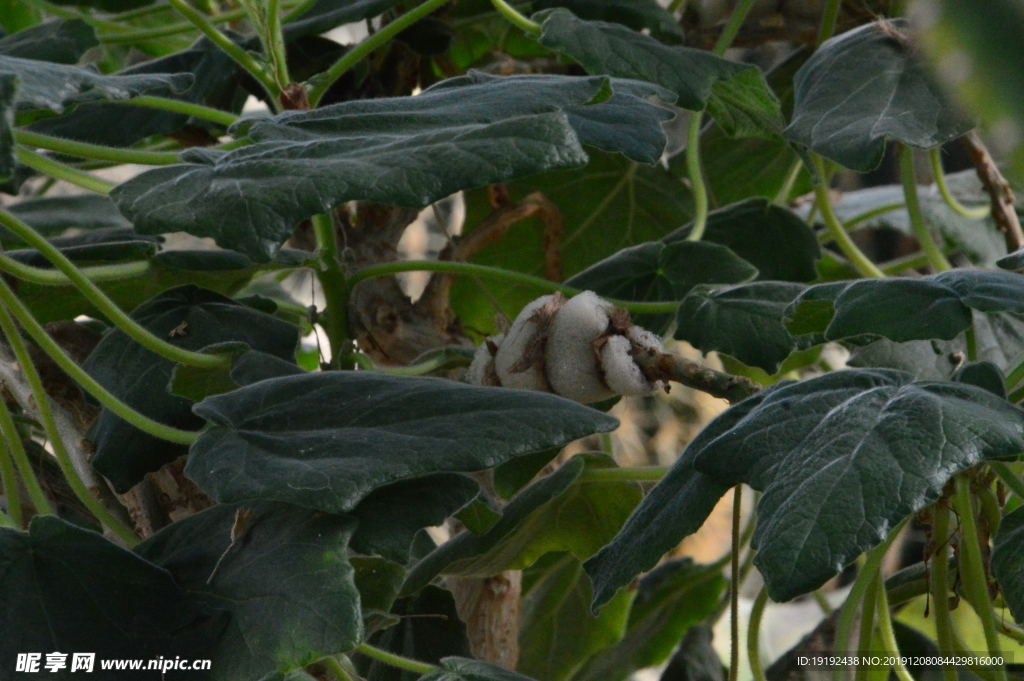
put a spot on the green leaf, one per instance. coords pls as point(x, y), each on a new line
point(8, 163)
point(557, 631)
point(327, 440)
point(61, 41)
point(1014, 261)
point(286, 584)
point(609, 205)
point(736, 95)
point(463, 132)
point(378, 581)
point(462, 669)
point(673, 510)
point(557, 513)
point(327, 14)
point(106, 5)
point(867, 442)
point(984, 375)
point(744, 321)
point(188, 317)
point(696, 658)
point(636, 14)
point(430, 629)
point(390, 516)
point(1008, 561)
point(512, 476)
point(864, 87)
point(70, 590)
point(669, 601)
point(116, 244)
point(771, 238)
point(52, 215)
point(479, 516)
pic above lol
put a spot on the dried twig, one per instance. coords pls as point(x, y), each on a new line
point(998, 189)
point(663, 366)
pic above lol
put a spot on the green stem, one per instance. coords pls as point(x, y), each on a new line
point(97, 297)
point(828, 20)
point(395, 660)
point(696, 176)
point(822, 601)
point(225, 118)
point(677, 6)
point(7, 521)
point(275, 43)
point(336, 290)
point(446, 267)
point(240, 56)
point(825, 237)
point(1008, 477)
point(50, 425)
point(63, 172)
point(94, 151)
point(123, 35)
point(917, 221)
point(754, 635)
point(974, 578)
point(939, 587)
point(10, 483)
point(734, 586)
point(947, 196)
point(1016, 396)
point(782, 197)
point(872, 564)
point(509, 12)
point(297, 11)
point(1016, 374)
point(139, 13)
point(88, 383)
point(908, 262)
point(16, 448)
point(636, 474)
point(355, 55)
point(38, 275)
point(888, 636)
point(867, 624)
point(835, 228)
point(336, 669)
point(736, 19)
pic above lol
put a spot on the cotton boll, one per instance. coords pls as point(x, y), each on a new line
point(620, 371)
point(481, 369)
point(644, 338)
point(571, 358)
point(519, 362)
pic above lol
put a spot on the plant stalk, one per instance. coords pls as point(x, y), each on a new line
point(509, 12)
point(754, 635)
point(917, 222)
point(224, 118)
point(888, 636)
point(867, 625)
point(16, 450)
point(734, 586)
point(393, 660)
point(94, 151)
point(938, 571)
point(940, 181)
point(835, 228)
point(696, 177)
point(63, 172)
point(38, 275)
point(336, 289)
point(828, 21)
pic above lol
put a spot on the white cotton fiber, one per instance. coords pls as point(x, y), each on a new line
point(571, 358)
point(620, 371)
point(481, 369)
point(518, 342)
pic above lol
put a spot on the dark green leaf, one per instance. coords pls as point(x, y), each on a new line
point(390, 516)
point(1008, 561)
point(479, 516)
point(636, 14)
point(188, 317)
point(696, 659)
point(462, 669)
point(735, 94)
point(106, 5)
point(327, 14)
point(557, 513)
point(286, 583)
point(327, 440)
point(430, 629)
point(8, 87)
point(512, 476)
point(867, 442)
point(70, 590)
point(673, 510)
point(984, 375)
point(61, 41)
point(52, 215)
point(464, 132)
point(1014, 261)
point(252, 367)
point(101, 245)
point(744, 321)
point(378, 581)
point(557, 631)
point(669, 601)
point(771, 238)
point(864, 87)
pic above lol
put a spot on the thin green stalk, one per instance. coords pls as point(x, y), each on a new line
point(1008, 478)
point(1016, 374)
point(390, 268)
point(849, 225)
point(947, 196)
point(10, 484)
point(87, 382)
point(38, 275)
point(297, 11)
point(635, 474)
point(68, 13)
point(323, 82)
point(835, 228)
point(139, 13)
point(734, 586)
point(971, 343)
point(336, 290)
point(872, 564)
point(395, 660)
point(509, 12)
point(335, 668)
point(105, 305)
point(822, 601)
point(63, 172)
point(677, 6)
point(939, 587)
point(240, 56)
point(225, 118)
point(736, 19)
point(121, 35)
point(908, 262)
point(973, 575)
point(754, 635)
point(7, 521)
point(275, 46)
point(867, 625)
point(828, 20)
point(50, 426)
point(917, 221)
point(696, 177)
point(1017, 395)
point(782, 197)
point(94, 151)
point(888, 637)
point(16, 449)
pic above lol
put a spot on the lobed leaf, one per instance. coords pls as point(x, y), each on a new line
point(61, 41)
point(636, 14)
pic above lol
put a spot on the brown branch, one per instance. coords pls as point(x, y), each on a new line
point(663, 366)
point(999, 191)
